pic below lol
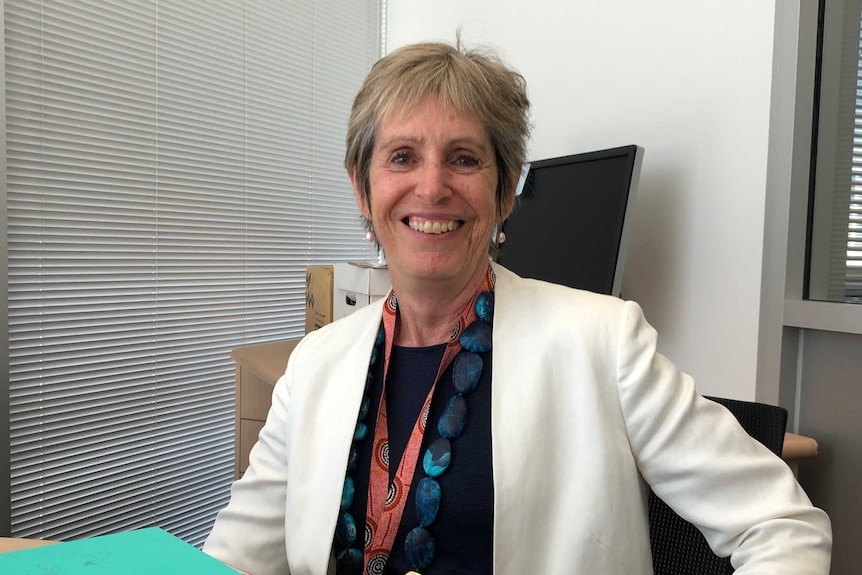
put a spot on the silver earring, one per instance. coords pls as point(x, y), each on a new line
point(370, 237)
point(501, 237)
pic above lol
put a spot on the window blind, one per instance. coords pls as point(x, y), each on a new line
point(835, 266)
point(172, 167)
point(853, 283)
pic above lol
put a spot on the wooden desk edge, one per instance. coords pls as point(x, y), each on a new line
point(798, 447)
point(14, 544)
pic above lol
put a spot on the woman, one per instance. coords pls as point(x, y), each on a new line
point(546, 408)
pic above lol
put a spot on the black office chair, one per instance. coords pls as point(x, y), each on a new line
point(678, 548)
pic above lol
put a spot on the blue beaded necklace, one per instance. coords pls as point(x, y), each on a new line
point(419, 545)
point(467, 369)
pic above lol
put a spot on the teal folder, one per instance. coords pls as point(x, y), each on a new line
point(141, 552)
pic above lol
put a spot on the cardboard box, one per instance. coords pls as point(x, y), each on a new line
point(357, 285)
point(318, 297)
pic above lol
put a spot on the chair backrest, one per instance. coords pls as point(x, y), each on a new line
point(678, 548)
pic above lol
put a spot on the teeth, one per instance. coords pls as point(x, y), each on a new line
point(433, 226)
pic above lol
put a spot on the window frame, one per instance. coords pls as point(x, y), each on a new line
point(785, 314)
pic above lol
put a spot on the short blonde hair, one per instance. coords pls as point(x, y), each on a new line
point(473, 82)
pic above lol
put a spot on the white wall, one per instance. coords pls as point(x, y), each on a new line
point(688, 81)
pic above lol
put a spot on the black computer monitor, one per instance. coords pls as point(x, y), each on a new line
point(572, 218)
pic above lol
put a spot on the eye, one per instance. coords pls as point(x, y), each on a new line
point(465, 160)
point(400, 158)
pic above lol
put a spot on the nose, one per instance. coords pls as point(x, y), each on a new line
point(433, 184)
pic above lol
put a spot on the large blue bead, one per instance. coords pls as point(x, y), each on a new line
point(360, 432)
point(427, 501)
point(363, 408)
point(453, 418)
point(485, 306)
point(347, 493)
point(419, 548)
point(345, 529)
point(477, 337)
point(466, 371)
point(350, 561)
point(352, 459)
point(437, 457)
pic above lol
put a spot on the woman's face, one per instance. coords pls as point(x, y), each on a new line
point(432, 181)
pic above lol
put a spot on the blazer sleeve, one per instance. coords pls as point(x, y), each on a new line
point(249, 534)
point(697, 458)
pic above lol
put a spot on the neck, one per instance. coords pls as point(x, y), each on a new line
point(428, 313)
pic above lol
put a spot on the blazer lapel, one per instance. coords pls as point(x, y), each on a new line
point(506, 467)
point(325, 403)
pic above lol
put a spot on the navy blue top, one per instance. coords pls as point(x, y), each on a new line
point(464, 527)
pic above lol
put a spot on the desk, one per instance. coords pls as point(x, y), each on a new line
point(796, 448)
point(13, 544)
point(184, 556)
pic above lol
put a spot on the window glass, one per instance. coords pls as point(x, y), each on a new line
point(835, 235)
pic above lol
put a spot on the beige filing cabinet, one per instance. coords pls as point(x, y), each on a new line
point(258, 367)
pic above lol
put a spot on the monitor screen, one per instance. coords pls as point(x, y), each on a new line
point(571, 219)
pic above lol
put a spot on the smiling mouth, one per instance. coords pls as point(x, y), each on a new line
point(433, 226)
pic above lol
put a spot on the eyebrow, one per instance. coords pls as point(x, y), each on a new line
point(458, 141)
point(399, 140)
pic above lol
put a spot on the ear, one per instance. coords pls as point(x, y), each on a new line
point(363, 206)
point(506, 207)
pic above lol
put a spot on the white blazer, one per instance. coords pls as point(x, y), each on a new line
point(584, 414)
